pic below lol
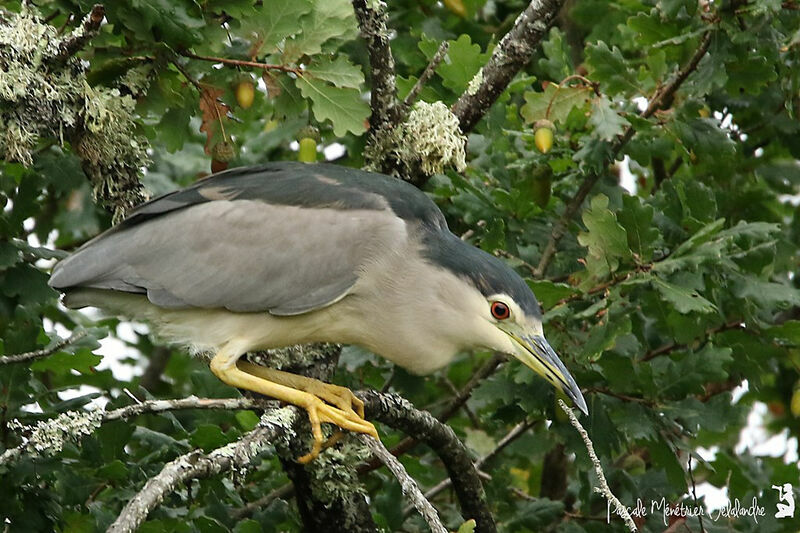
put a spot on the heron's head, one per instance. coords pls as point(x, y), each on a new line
point(509, 317)
point(519, 333)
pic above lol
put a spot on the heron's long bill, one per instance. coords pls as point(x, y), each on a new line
point(537, 354)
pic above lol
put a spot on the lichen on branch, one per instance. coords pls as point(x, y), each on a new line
point(47, 438)
point(428, 141)
point(44, 95)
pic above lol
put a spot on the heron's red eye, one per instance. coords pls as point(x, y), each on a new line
point(500, 310)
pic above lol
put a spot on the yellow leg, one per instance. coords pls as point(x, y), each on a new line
point(341, 397)
point(224, 366)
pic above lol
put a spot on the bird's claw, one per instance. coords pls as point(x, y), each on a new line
point(320, 412)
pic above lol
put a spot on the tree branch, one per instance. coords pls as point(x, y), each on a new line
point(407, 484)
point(511, 54)
point(598, 468)
point(661, 98)
point(241, 63)
point(398, 413)
point(196, 464)
point(372, 23)
point(150, 406)
point(78, 39)
point(192, 402)
point(44, 352)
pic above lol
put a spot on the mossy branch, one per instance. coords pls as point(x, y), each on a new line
point(196, 464)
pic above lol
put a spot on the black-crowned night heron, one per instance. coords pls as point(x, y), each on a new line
point(287, 253)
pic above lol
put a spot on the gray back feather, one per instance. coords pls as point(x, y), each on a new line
point(247, 243)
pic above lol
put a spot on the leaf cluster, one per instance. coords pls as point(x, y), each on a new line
point(672, 298)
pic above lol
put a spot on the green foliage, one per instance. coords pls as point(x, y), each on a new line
point(662, 298)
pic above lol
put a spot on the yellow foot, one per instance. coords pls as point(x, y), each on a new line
point(341, 397)
point(342, 408)
point(319, 412)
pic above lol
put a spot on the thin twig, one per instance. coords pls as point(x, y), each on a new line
point(452, 408)
point(241, 63)
point(49, 18)
point(515, 432)
point(44, 352)
point(407, 484)
point(453, 390)
point(694, 494)
point(477, 378)
point(661, 98)
point(511, 54)
point(672, 346)
point(398, 413)
point(426, 74)
point(282, 492)
point(603, 489)
point(188, 76)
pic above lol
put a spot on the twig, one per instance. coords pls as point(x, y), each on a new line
point(372, 18)
point(596, 289)
point(241, 63)
point(662, 96)
point(196, 465)
point(511, 54)
point(426, 74)
point(44, 352)
point(694, 494)
point(70, 18)
point(407, 484)
point(623, 397)
point(188, 77)
point(598, 468)
point(477, 378)
point(284, 491)
point(192, 402)
point(508, 255)
point(515, 432)
point(70, 46)
point(398, 413)
point(460, 399)
point(454, 391)
point(669, 347)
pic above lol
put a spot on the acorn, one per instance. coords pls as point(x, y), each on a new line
point(308, 138)
point(634, 464)
point(223, 151)
point(542, 185)
point(245, 91)
point(543, 135)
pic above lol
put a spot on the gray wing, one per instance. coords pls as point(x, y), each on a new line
point(243, 255)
